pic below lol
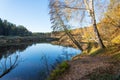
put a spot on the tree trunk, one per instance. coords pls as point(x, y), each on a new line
point(72, 38)
point(92, 13)
point(97, 33)
point(70, 35)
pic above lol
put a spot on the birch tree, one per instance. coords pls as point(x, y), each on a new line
point(88, 5)
point(71, 7)
point(90, 8)
point(59, 20)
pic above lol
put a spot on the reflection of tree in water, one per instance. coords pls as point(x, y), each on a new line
point(9, 57)
point(45, 69)
point(8, 64)
point(7, 50)
point(67, 55)
point(48, 66)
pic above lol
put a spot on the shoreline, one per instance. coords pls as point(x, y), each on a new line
point(99, 65)
point(26, 39)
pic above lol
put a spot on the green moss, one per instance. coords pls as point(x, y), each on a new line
point(60, 69)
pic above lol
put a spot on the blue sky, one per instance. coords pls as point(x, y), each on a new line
point(33, 14)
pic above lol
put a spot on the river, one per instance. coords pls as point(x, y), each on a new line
point(32, 61)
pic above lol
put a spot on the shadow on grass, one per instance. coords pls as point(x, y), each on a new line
point(116, 56)
point(96, 52)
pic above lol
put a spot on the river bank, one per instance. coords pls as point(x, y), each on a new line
point(26, 39)
point(100, 64)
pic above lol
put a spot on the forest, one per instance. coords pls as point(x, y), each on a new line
point(10, 29)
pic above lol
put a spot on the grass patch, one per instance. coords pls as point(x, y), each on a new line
point(108, 51)
point(96, 51)
point(60, 69)
point(116, 56)
point(112, 50)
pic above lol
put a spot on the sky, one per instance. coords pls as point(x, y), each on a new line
point(33, 14)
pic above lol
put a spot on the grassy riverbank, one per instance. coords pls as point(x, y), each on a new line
point(98, 64)
point(93, 63)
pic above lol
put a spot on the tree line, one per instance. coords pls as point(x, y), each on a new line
point(10, 29)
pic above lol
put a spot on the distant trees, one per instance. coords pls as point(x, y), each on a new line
point(1, 28)
point(10, 29)
point(42, 35)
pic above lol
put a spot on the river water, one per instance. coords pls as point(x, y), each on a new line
point(32, 61)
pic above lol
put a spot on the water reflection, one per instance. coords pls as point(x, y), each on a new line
point(8, 64)
point(7, 50)
point(8, 61)
point(67, 54)
point(31, 62)
point(47, 66)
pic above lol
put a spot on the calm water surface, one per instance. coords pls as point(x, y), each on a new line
point(31, 61)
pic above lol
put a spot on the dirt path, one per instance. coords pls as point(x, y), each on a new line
point(84, 66)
